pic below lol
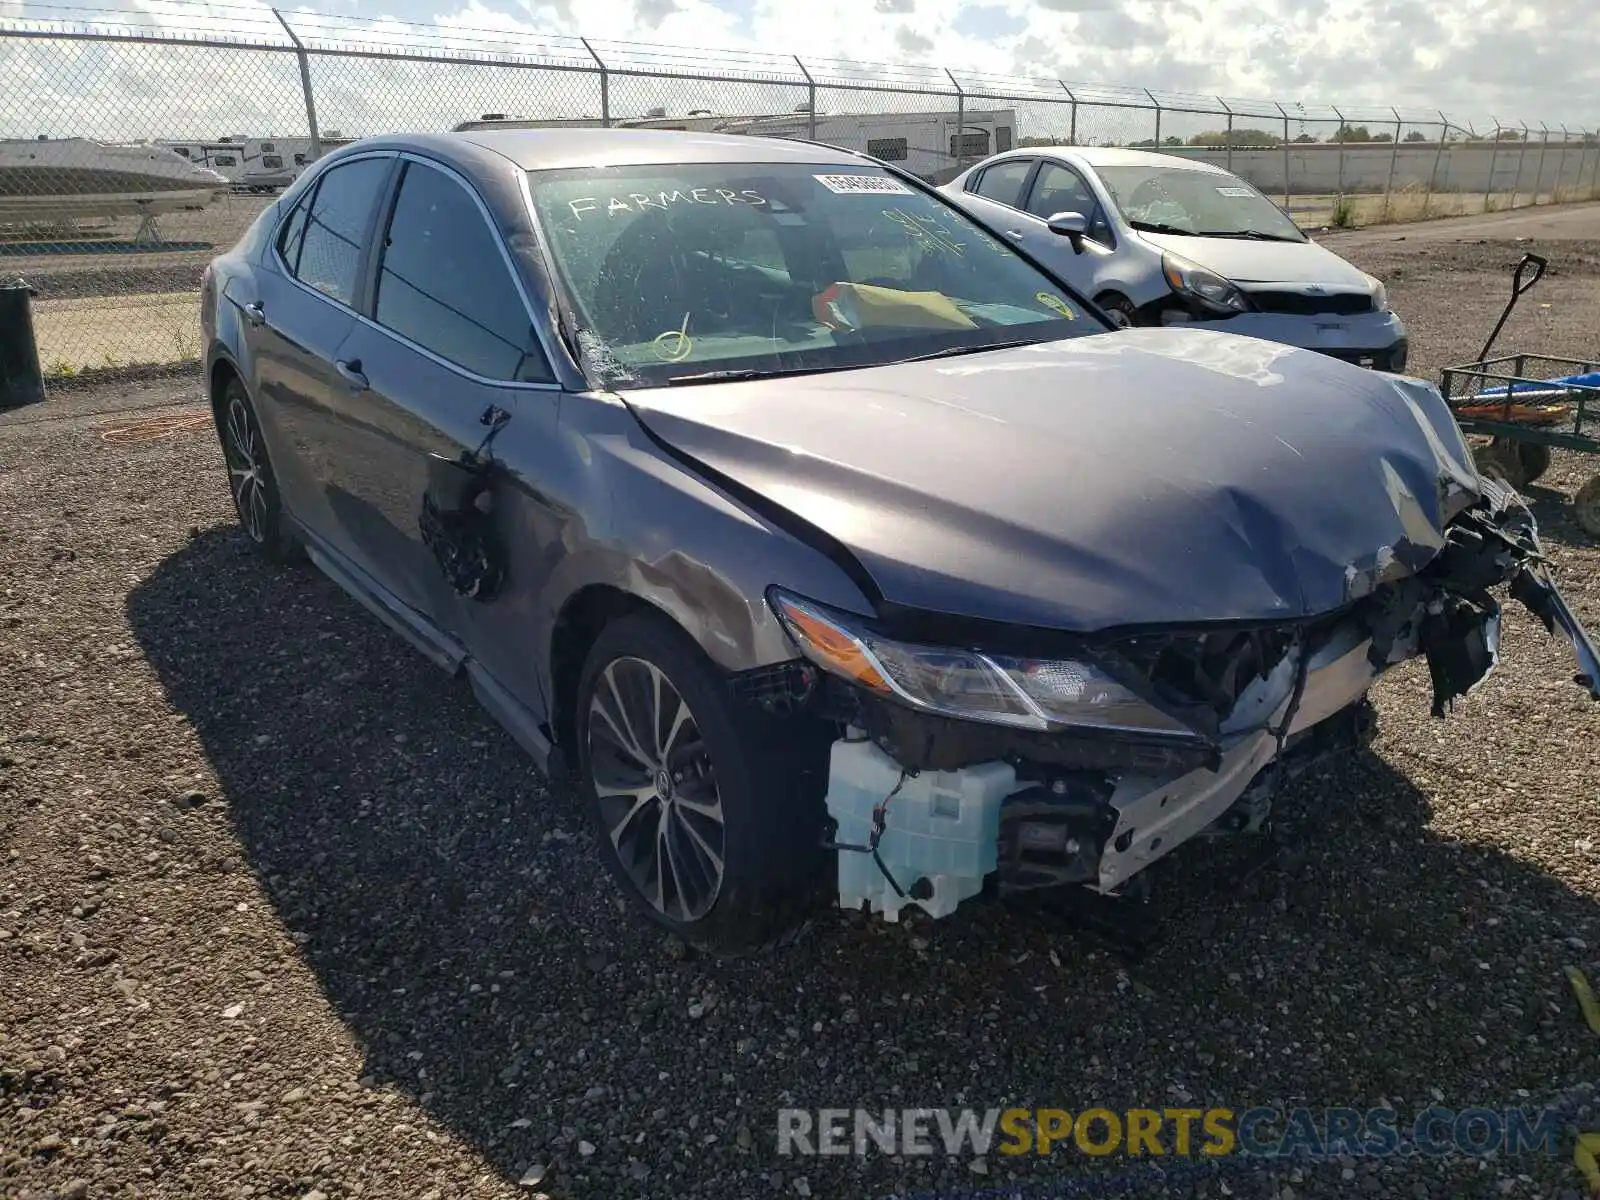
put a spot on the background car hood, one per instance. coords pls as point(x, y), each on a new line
point(1245, 261)
point(1137, 477)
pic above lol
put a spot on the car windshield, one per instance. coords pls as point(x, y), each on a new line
point(696, 271)
point(1203, 203)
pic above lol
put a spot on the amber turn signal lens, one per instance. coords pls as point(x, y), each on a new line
point(833, 648)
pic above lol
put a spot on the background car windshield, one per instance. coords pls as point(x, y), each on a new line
point(682, 270)
point(1201, 202)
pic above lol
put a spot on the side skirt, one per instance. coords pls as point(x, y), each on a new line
point(524, 725)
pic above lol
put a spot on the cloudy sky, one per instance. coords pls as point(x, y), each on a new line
point(1479, 60)
point(1519, 61)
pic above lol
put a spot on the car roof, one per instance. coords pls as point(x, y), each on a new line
point(553, 149)
point(1112, 156)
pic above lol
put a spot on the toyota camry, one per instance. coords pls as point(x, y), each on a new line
point(836, 549)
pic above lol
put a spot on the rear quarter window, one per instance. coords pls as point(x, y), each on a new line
point(1003, 182)
point(335, 227)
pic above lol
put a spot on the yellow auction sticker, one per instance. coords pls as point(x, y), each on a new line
point(1056, 302)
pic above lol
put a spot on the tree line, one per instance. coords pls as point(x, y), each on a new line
point(1260, 138)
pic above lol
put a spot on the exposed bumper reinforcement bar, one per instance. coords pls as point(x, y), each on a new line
point(1155, 817)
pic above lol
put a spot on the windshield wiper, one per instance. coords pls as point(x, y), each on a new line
point(737, 374)
point(953, 351)
point(1254, 235)
point(1158, 227)
point(734, 375)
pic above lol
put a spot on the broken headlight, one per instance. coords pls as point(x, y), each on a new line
point(1380, 295)
point(967, 684)
point(1210, 289)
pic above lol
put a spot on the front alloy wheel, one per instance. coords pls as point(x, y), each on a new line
point(656, 789)
point(708, 811)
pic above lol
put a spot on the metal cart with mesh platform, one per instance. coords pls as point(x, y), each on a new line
point(1516, 408)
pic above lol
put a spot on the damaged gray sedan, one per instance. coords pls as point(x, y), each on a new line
point(835, 546)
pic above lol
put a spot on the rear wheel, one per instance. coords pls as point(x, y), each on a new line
point(708, 812)
point(250, 479)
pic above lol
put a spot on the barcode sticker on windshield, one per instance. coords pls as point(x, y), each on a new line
point(864, 185)
point(1233, 191)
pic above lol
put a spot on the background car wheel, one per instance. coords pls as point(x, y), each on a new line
point(1535, 460)
point(708, 812)
point(1119, 308)
point(1586, 507)
point(1499, 460)
point(250, 479)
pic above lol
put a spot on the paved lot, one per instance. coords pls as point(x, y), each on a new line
point(282, 914)
point(1560, 223)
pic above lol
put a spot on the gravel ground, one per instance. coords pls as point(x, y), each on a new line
point(77, 283)
point(282, 914)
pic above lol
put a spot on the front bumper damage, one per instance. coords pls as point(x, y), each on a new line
point(930, 810)
point(1376, 340)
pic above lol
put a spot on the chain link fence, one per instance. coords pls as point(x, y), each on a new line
point(133, 152)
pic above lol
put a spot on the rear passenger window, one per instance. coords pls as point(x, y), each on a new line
point(1003, 182)
point(444, 284)
point(329, 252)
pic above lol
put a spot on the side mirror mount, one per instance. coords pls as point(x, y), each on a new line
point(1073, 226)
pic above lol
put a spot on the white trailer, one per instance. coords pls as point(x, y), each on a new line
point(934, 145)
point(254, 164)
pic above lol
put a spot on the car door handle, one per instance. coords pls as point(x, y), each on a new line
point(1014, 233)
point(350, 372)
point(255, 314)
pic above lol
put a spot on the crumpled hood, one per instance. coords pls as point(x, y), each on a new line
point(1146, 476)
point(1244, 261)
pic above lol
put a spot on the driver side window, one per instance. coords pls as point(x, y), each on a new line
point(1059, 188)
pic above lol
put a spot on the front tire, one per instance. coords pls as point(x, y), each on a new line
point(251, 482)
point(708, 811)
point(1119, 308)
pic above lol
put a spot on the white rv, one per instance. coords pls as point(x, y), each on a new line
point(255, 164)
point(933, 145)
